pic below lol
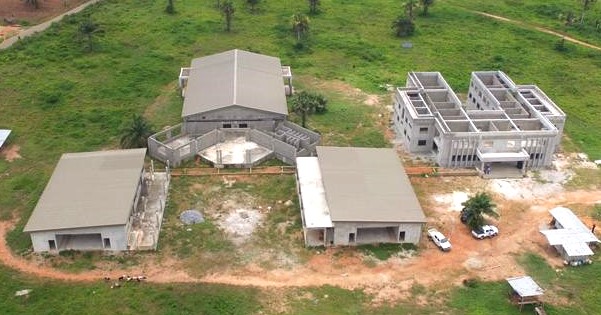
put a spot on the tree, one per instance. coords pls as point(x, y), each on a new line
point(227, 9)
point(300, 25)
point(425, 5)
point(33, 3)
point(477, 206)
point(403, 26)
point(586, 5)
point(410, 6)
point(88, 29)
point(314, 6)
point(135, 135)
point(305, 103)
point(170, 9)
point(253, 4)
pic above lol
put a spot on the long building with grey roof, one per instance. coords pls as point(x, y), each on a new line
point(88, 202)
point(502, 125)
point(352, 196)
point(235, 94)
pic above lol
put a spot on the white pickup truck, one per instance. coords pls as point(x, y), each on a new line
point(485, 231)
point(440, 240)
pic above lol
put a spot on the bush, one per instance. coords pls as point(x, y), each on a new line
point(403, 26)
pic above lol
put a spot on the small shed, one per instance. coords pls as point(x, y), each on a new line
point(525, 291)
point(570, 237)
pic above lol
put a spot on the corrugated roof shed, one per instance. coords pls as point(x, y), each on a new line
point(313, 195)
point(563, 236)
point(235, 77)
point(367, 185)
point(89, 189)
point(574, 237)
point(525, 286)
point(4, 133)
point(567, 219)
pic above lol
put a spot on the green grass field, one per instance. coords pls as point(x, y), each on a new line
point(58, 98)
point(549, 14)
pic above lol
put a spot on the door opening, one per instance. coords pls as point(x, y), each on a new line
point(351, 237)
point(107, 243)
point(402, 236)
point(52, 244)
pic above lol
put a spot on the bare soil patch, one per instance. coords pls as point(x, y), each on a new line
point(11, 152)
point(19, 12)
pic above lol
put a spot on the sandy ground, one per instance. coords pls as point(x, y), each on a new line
point(17, 10)
point(11, 152)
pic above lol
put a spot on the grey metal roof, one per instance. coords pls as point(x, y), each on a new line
point(568, 219)
point(89, 189)
point(235, 77)
point(367, 184)
point(525, 286)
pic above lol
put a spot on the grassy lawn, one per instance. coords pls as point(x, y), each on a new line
point(549, 14)
point(276, 241)
point(50, 297)
point(58, 98)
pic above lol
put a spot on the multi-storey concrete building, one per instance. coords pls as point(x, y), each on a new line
point(502, 124)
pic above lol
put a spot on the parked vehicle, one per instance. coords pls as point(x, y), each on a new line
point(439, 239)
point(485, 231)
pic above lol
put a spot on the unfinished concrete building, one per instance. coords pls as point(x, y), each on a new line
point(99, 201)
point(351, 196)
point(502, 126)
point(234, 113)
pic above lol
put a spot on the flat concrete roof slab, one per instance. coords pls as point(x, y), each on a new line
point(313, 195)
point(233, 151)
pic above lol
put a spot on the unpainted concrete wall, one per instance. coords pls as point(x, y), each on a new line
point(201, 123)
point(342, 230)
point(116, 233)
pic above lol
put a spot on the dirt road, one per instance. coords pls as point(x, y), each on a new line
point(491, 259)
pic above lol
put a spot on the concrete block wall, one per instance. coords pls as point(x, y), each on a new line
point(342, 230)
point(116, 233)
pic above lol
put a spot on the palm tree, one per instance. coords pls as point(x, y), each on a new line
point(253, 4)
point(170, 9)
point(586, 5)
point(300, 25)
point(305, 103)
point(410, 6)
point(227, 9)
point(425, 5)
point(477, 206)
point(135, 135)
point(87, 29)
point(313, 6)
point(403, 26)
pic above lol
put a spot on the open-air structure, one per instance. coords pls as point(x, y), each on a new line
point(502, 125)
point(351, 196)
point(525, 291)
point(99, 201)
point(234, 113)
point(570, 237)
